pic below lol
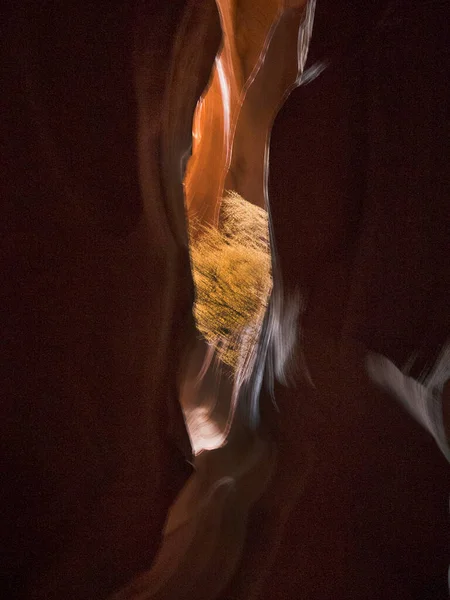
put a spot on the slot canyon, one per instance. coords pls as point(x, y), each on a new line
point(226, 283)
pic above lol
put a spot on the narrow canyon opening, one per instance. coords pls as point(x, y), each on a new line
point(260, 61)
point(233, 264)
point(313, 362)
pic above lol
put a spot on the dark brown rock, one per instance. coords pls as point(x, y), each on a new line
point(96, 292)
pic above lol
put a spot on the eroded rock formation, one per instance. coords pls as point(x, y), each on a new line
point(358, 204)
point(97, 291)
point(338, 493)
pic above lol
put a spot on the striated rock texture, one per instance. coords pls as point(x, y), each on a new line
point(206, 528)
point(246, 30)
point(96, 287)
point(231, 270)
point(257, 64)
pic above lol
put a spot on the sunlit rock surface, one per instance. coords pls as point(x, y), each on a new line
point(260, 60)
point(231, 268)
point(246, 29)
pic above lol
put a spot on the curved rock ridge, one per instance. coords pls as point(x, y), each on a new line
point(264, 48)
point(96, 288)
point(206, 527)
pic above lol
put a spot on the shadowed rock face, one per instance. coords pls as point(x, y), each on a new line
point(348, 511)
point(358, 205)
point(96, 282)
